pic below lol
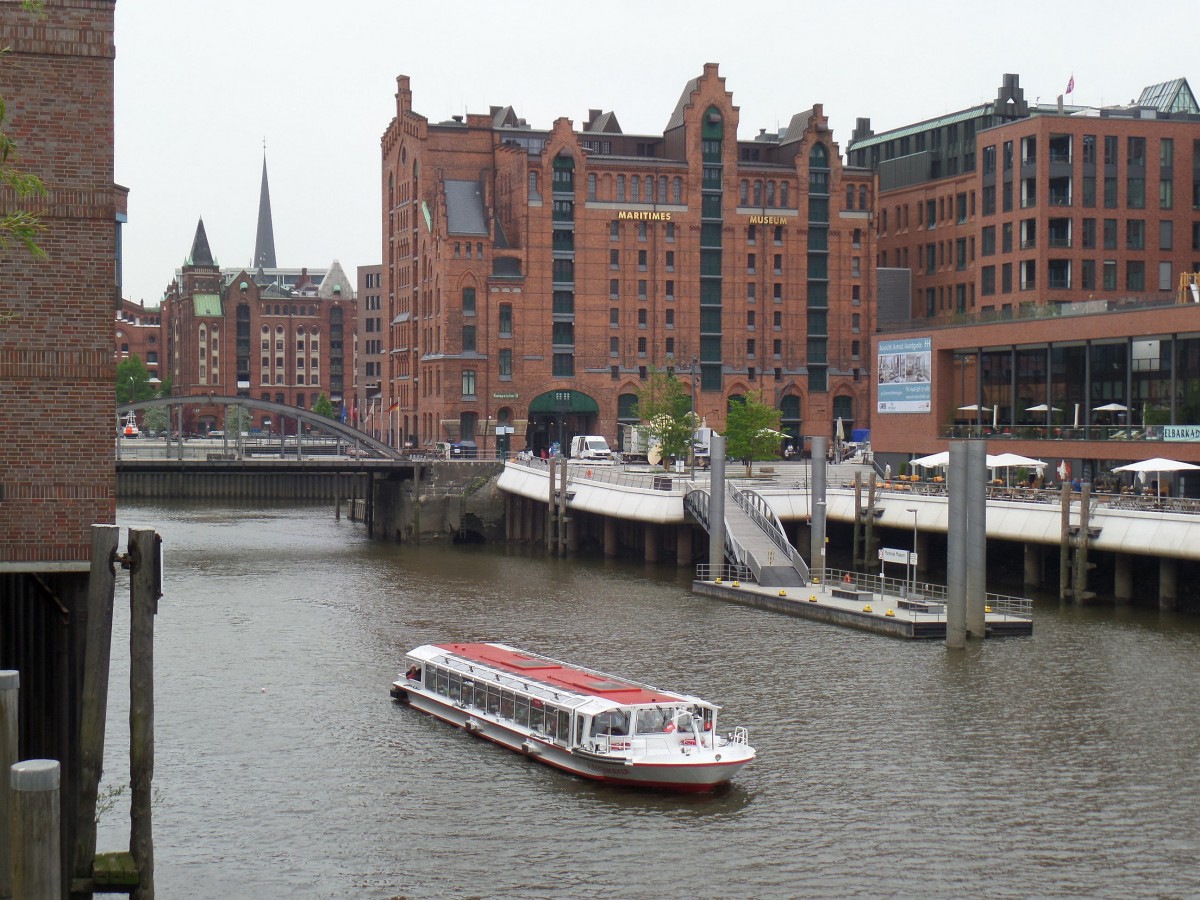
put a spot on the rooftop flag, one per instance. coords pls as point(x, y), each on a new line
point(1071, 83)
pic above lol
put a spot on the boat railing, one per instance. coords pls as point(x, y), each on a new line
point(928, 594)
point(741, 735)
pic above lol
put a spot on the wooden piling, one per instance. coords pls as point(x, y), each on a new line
point(143, 603)
point(94, 704)
point(36, 842)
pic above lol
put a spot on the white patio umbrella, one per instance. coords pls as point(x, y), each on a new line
point(1157, 465)
point(1111, 407)
point(973, 407)
point(841, 432)
point(933, 461)
point(1042, 407)
point(1014, 461)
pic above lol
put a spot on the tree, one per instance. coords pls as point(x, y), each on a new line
point(322, 407)
point(19, 224)
point(133, 381)
point(752, 430)
point(237, 420)
point(665, 405)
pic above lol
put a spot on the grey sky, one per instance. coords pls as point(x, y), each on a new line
point(200, 85)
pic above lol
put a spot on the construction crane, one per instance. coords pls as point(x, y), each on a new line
point(1189, 287)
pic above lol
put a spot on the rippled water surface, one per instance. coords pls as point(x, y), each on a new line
point(1065, 764)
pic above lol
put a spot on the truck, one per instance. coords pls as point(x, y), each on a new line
point(701, 444)
point(636, 443)
point(590, 447)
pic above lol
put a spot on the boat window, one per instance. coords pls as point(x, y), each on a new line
point(611, 721)
point(564, 725)
point(522, 710)
point(507, 704)
point(468, 692)
point(537, 715)
point(493, 699)
point(454, 685)
point(653, 721)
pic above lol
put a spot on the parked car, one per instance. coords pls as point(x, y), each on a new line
point(463, 450)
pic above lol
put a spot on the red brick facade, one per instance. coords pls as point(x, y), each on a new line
point(533, 278)
point(56, 352)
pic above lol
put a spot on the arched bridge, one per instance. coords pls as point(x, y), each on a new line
point(314, 420)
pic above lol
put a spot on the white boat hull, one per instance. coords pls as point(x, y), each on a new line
point(672, 765)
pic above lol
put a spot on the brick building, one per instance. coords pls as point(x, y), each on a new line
point(532, 278)
point(239, 333)
point(1004, 203)
point(138, 332)
point(57, 472)
point(367, 412)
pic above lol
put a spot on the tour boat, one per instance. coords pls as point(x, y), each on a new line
point(576, 719)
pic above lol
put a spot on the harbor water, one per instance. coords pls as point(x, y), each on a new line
point(1065, 764)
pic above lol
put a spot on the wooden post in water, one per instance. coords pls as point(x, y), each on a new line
point(10, 684)
point(1064, 544)
point(1080, 592)
point(143, 604)
point(36, 843)
point(869, 536)
point(93, 715)
point(337, 496)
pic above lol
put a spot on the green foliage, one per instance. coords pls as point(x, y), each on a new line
point(664, 404)
point(237, 420)
point(156, 419)
point(752, 430)
point(322, 407)
point(133, 381)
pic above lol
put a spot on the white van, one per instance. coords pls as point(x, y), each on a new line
point(590, 446)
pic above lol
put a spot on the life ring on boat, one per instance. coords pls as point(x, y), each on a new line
point(619, 745)
point(688, 742)
point(669, 727)
point(708, 726)
point(846, 578)
point(589, 473)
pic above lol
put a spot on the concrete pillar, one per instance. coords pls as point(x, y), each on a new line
point(1168, 570)
point(573, 532)
point(816, 563)
point(956, 547)
point(1033, 565)
point(716, 505)
point(10, 684)
point(611, 545)
point(683, 546)
point(650, 541)
point(976, 538)
point(1122, 577)
point(922, 549)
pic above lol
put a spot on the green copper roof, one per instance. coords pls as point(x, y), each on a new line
point(207, 304)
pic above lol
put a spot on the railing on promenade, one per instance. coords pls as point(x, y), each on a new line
point(927, 592)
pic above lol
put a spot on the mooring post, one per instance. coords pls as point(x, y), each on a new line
point(94, 706)
point(337, 496)
point(817, 508)
point(36, 847)
point(856, 555)
point(1064, 544)
point(10, 684)
point(976, 549)
point(143, 604)
point(562, 510)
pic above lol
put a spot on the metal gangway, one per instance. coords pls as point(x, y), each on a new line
point(755, 540)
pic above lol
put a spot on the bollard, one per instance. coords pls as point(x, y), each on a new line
point(37, 866)
point(10, 683)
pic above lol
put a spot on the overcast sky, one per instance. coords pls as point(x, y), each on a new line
point(201, 85)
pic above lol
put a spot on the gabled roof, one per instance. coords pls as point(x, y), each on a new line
point(677, 117)
point(464, 208)
point(606, 123)
point(1174, 96)
point(796, 127)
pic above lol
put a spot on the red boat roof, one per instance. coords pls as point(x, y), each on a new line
point(560, 675)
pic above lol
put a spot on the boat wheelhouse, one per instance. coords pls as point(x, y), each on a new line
point(574, 718)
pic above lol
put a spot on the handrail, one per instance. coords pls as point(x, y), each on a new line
point(756, 507)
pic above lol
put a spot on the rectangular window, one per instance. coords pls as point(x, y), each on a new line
point(1088, 275)
point(1110, 149)
point(670, 260)
point(750, 345)
point(642, 260)
point(468, 382)
point(614, 289)
point(505, 363)
point(1006, 239)
point(563, 365)
point(1137, 151)
point(988, 241)
point(641, 346)
point(468, 339)
point(1135, 275)
point(988, 280)
point(1135, 192)
point(669, 318)
point(468, 301)
point(1166, 194)
point(1110, 275)
point(614, 346)
point(1110, 234)
point(614, 317)
point(1089, 149)
point(641, 288)
point(1089, 190)
point(1166, 234)
point(1089, 234)
point(1110, 191)
point(989, 200)
point(669, 289)
point(1164, 276)
point(1006, 278)
point(614, 259)
point(1135, 234)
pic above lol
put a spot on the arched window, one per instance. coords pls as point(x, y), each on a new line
point(783, 193)
point(758, 193)
point(770, 193)
point(850, 196)
point(744, 192)
point(818, 157)
point(862, 197)
point(843, 408)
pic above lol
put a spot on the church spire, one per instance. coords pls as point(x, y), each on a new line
point(201, 255)
point(264, 244)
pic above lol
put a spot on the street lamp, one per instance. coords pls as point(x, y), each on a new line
point(912, 557)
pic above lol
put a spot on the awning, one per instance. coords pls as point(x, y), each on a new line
point(560, 402)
